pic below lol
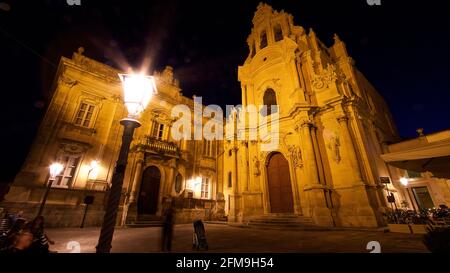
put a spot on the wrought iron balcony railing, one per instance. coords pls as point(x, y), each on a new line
point(162, 147)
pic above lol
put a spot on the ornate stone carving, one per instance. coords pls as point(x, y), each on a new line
point(166, 76)
point(67, 81)
point(334, 146)
point(326, 78)
point(263, 156)
point(93, 66)
point(73, 147)
point(256, 166)
point(295, 153)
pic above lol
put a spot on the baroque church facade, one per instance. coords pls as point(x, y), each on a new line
point(333, 127)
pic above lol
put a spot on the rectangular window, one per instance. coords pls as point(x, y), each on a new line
point(158, 130)
point(230, 180)
point(205, 188)
point(85, 114)
point(209, 148)
point(412, 174)
point(65, 179)
point(423, 198)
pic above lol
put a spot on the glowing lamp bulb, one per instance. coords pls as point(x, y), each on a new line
point(138, 90)
point(55, 170)
point(404, 181)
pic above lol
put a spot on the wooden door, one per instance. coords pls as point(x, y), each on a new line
point(279, 182)
point(149, 192)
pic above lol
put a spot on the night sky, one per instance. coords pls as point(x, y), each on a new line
point(401, 46)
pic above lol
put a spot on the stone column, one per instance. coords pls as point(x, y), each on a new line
point(350, 150)
point(137, 177)
point(170, 179)
point(356, 209)
point(310, 156)
point(316, 206)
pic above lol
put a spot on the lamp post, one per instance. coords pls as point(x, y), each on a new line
point(55, 170)
point(138, 90)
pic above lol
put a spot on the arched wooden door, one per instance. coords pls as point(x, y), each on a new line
point(279, 182)
point(149, 192)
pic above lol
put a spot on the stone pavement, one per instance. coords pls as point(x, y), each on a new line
point(223, 238)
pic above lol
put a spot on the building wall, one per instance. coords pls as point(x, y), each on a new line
point(332, 126)
point(438, 188)
point(83, 80)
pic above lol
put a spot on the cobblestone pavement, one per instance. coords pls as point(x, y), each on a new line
point(223, 238)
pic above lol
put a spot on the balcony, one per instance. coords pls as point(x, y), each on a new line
point(161, 147)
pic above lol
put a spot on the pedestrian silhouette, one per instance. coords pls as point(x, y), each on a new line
point(167, 227)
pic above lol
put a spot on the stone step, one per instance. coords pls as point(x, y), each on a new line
point(149, 218)
point(143, 224)
point(280, 221)
point(281, 224)
point(296, 227)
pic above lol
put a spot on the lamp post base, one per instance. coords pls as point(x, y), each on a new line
point(109, 221)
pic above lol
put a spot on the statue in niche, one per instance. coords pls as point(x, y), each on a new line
point(256, 166)
point(334, 146)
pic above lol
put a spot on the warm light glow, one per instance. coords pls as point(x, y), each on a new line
point(94, 164)
point(404, 181)
point(195, 185)
point(93, 172)
point(55, 170)
point(138, 90)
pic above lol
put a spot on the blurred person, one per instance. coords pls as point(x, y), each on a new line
point(21, 244)
point(41, 242)
point(167, 228)
point(10, 236)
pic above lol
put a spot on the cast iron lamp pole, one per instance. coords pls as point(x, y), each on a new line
point(138, 91)
point(55, 170)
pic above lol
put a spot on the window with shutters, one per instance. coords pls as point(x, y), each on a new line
point(67, 175)
point(205, 188)
point(85, 115)
point(209, 148)
point(157, 130)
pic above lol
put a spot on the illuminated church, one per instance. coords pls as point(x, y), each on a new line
point(326, 170)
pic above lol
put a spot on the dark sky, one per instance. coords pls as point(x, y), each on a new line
point(401, 46)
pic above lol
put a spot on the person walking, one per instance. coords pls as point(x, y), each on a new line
point(167, 228)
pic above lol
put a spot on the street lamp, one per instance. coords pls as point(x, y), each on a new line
point(55, 169)
point(138, 90)
point(404, 181)
point(93, 170)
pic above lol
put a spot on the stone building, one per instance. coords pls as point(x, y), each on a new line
point(81, 130)
point(420, 171)
point(326, 168)
point(333, 127)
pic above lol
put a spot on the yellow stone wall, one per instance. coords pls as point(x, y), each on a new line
point(333, 124)
point(82, 79)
